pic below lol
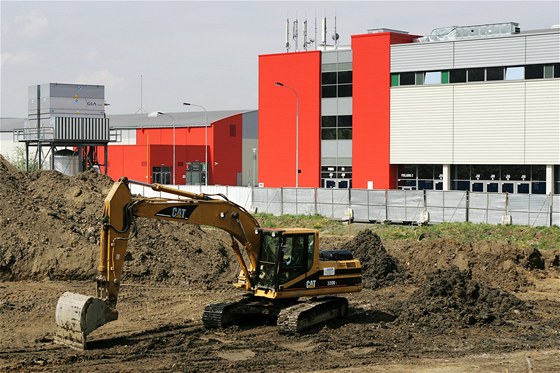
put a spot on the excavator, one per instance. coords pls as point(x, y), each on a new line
point(283, 272)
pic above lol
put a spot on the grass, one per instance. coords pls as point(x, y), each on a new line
point(543, 238)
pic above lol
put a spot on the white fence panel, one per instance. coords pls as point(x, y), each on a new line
point(359, 202)
point(268, 200)
point(383, 205)
point(404, 205)
point(555, 218)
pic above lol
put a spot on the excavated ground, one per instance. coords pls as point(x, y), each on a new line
point(429, 305)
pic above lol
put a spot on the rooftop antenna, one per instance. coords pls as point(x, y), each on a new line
point(305, 42)
point(141, 110)
point(315, 30)
point(287, 35)
point(324, 33)
point(335, 36)
point(295, 35)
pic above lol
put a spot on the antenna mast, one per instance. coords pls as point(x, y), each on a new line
point(287, 44)
point(295, 35)
point(335, 36)
point(141, 110)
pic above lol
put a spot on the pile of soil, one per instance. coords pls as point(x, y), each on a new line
point(378, 267)
point(497, 264)
point(450, 298)
point(49, 229)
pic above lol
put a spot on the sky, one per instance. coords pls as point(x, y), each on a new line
point(154, 55)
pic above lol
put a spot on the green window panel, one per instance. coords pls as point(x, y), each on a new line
point(394, 80)
point(445, 77)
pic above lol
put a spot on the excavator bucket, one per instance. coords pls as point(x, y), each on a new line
point(77, 316)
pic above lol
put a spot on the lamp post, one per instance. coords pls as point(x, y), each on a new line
point(157, 114)
point(254, 181)
point(297, 128)
point(205, 139)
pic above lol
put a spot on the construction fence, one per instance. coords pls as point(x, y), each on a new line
point(389, 206)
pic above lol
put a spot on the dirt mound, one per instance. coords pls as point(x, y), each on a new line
point(497, 264)
point(49, 229)
point(378, 267)
point(450, 298)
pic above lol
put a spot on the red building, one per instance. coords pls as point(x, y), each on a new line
point(332, 90)
point(174, 148)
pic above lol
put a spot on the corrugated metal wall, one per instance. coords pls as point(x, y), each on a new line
point(422, 124)
point(542, 123)
point(468, 123)
point(81, 129)
point(421, 56)
point(543, 48)
point(488, 123)
point(501, 51)
point(506, 51)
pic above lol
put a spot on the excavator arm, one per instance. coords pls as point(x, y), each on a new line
point(78, 315)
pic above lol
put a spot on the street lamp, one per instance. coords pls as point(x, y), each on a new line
point(205, 139)
point(254, 181)
point(297, 128)
point(157, 114)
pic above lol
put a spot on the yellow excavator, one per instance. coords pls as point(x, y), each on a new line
point(278, 266)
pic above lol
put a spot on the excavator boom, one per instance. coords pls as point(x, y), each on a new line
point(78, 315)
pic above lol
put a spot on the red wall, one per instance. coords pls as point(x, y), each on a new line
point(154, 148)
point(277, 116)
point(228, 146)
point(371, 80)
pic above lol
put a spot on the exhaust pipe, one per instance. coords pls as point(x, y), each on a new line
point(77, 316)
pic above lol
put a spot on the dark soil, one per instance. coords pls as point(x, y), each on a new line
point(378, 267)
point(450, 298)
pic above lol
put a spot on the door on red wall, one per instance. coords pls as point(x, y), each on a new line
point(196, 173)
point(161, 175)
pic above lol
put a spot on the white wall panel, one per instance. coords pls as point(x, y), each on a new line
point(421, 56)
point(543, 48)
point(508, 51)
point(489, 123)
point(542, 122)
point(421, 124)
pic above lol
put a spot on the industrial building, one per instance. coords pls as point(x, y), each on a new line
point(68, 130)
point(466, 108)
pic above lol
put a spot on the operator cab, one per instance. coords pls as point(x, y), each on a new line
point(284, 256)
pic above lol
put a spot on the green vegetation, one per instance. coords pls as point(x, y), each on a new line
point(18, 160)
point(543, 238)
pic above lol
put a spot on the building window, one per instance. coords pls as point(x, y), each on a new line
point(336, 84)
point(548, 71)
point(515, 73)
point(458, 76)
point(407, 79)
point(495, 73)
point(420, 177)
point(232, 130)
point(475, 75)
point(534, 72)
point(433, 77)
point(529, 72)
point(556, 179)
point(336, 127)
point(521, 179)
